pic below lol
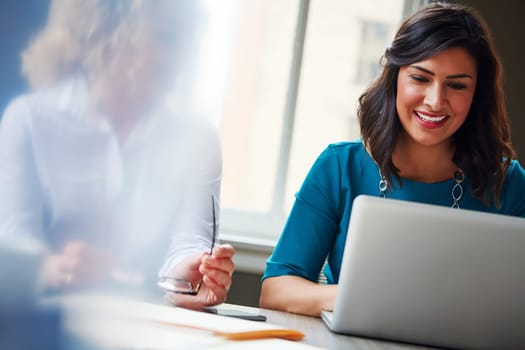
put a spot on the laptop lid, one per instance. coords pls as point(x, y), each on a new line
point(432, 275)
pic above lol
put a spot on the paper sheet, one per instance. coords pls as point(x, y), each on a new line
point(116, 322)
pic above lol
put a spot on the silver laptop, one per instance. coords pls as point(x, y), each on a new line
point(432, 275)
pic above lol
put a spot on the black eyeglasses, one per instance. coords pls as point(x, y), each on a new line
point(181, 285)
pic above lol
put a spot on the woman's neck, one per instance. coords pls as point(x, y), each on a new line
point(424, 163)
point(122, 112)
point(122, 119)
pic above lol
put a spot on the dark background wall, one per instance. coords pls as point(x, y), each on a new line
point(245, 289)
point(505, 19)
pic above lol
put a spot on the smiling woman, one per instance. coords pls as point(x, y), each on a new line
point(97, 169)
point(434, 130)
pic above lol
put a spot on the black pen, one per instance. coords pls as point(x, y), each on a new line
point(214, 229)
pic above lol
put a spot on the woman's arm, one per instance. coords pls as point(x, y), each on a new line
point(21, 199)
point(197, 219)
point(309, 238)
point(297, 295)
point(198, 154)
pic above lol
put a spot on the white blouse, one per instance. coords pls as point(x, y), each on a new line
point(65, 175)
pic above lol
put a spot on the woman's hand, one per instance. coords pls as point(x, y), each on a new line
point(297, 295)
point(79, 264)
point(214, 272)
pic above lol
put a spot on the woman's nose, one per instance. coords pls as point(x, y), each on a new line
point(435, 97)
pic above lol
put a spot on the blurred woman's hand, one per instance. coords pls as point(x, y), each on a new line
point(78, 264)
point(214, 272)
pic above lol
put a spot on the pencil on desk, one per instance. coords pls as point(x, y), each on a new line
point(289, 334)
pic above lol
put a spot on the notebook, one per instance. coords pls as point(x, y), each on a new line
point(432, 275)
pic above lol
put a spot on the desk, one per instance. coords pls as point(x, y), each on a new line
point(317, 334)
point(112, 322)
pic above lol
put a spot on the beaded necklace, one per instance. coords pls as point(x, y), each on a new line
point(456, 192)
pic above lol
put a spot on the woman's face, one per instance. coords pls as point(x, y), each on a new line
point(143, 68)
point(434, 96)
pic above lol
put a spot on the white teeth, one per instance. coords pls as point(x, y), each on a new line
point(431, 119)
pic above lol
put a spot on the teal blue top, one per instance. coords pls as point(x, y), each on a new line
point(317, 225)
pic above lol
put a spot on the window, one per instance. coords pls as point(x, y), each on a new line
point(291, 81)
point(374, 38)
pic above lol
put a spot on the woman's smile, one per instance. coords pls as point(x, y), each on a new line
point(431, 121)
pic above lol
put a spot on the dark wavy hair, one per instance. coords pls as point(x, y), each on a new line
point(482, 144)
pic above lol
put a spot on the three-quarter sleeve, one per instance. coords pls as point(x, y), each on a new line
point(313, 223)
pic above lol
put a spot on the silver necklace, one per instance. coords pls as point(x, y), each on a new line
point(456, 192)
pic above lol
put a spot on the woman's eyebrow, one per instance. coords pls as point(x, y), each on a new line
point(453, 76)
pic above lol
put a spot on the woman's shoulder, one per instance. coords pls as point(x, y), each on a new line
point(65, 96)
point(516, 175)
point(346, 146)
point(513, 191)
point(342, 157)
point(516, 167)
point(347, 151)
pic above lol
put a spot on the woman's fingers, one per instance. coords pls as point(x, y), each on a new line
point(205, 297)
point(216, 271)
point(223, 251)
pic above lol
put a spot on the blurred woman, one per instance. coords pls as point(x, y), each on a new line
point(93, 165)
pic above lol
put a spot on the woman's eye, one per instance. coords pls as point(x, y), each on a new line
point(419, 78)
point(457, 86)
